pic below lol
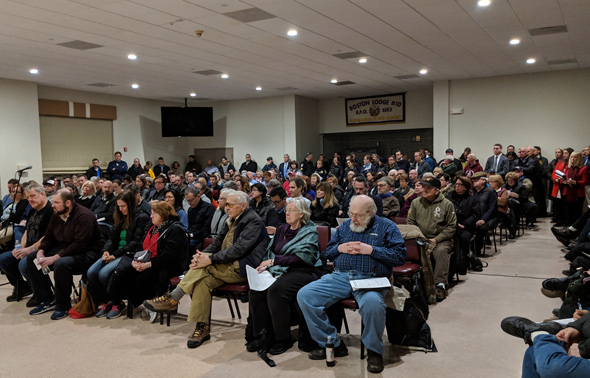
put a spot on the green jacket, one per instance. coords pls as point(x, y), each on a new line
point(435, 219)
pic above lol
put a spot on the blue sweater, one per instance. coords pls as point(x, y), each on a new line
point(389, 248)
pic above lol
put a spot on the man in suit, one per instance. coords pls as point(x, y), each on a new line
point(284, 167)
point(161, 168)
point(497, 163)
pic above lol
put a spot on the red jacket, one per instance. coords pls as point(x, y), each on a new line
point(576, 191)
point(560, 166)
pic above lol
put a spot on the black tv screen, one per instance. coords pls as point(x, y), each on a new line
point(187, 122)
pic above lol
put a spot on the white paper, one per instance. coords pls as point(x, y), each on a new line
point(259, 281)
point(370, 283)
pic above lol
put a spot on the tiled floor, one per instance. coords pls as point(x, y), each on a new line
point(465, 327)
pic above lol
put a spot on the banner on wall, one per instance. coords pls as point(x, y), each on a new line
point(376, 110)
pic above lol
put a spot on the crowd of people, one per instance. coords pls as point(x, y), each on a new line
point(130, 228)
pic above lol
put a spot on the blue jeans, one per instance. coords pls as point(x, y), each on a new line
point(98, 277)
point(547, 359)
point(315, 297)
point(14, 269)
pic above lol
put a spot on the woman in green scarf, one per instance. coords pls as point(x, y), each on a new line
point(293, 258)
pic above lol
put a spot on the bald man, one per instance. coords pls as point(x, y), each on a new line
point(365, 246)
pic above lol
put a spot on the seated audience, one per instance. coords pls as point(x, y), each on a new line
point(468, 213)
point(360, 186)
point(472, 166)
point(88, 195)
point(435, 217)
point(324, 208)
point(242, 242)
point(220, 215)
point(166, 242)
point(276, 214)
point(16, 211)
point(400, 162)
point(50, 187)
point(14, 263)
point(104, 206)
point(174, 198)
point(404, 191)
point(193, 166)
point(161, 168)
point(356, 254)
point(160, 189)
point(488, 205)
point(200, 214)
point(260, 202)
point(131, 224)
point(72, 242)
point(420, 165)
point(293, 257)
point(519, 189)
point(147, 170)
point(136, 169)
point(142, 184)
point(297, 189)
point(504, 215)
point(391, 206)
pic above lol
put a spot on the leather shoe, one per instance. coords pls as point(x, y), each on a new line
point(441, 293)
point(374, 362)
point(320, 354)
point(281, 347)
point(552, 293)
point(556, 284)
point(523, 327)
point(253, 346)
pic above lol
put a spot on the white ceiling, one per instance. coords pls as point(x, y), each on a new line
point(453, 39)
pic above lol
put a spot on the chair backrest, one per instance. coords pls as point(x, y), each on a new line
point(324, 237)
point(413, 251)
point(398, 220)
point(207, 242)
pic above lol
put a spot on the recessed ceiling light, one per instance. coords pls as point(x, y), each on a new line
point(131, 56)
point(333, 81)
point(193, 94)
point(423, 71)
point(363, 60)
point(225, 76)
point(484, 3)
point(514, 41)
point(292, 33)
point(134, 86)
point(258, 88)
point(531, 60)
point(34, 71)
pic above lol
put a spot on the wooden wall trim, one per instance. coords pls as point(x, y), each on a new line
point(76, 109)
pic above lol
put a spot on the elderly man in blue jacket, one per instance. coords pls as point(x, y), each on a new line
point(364, 246)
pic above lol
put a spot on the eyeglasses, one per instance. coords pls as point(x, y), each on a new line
point(229, 205)
point(276, 202)
point(291, 211)
point(189, 200)
point(355, 215)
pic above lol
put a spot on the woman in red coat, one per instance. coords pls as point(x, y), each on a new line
point(557, 190)
point(573, 191)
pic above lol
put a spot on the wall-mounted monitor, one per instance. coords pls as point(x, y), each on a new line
point(187, 122)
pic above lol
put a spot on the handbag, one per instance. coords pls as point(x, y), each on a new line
point(145, 255)
point(85, 306)
point(6, 234)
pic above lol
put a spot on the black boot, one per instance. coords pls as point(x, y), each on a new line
point(523, 327)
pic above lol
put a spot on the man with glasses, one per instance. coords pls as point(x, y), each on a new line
point(435, 217)
point(364, 246)
point(360, 186)
point(497, 163)
point(276, 214)
point(391, 205)
point(242, 242)
point(160, 186)
point(200, 215)
point(220, 216)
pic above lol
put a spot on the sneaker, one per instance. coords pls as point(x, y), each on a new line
point(32, 302)
point(320, 354)
point(59, 314)
point(17, 296)
point(200, 335)
point(441, 292)
point(523, 327)
point(163, 303)
point(532, 227)
point(43, 307)
point(374, 362)
point(104, 309)
point(153, 316)
point(116, 311)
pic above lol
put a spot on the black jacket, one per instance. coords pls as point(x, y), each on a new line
point(86, 202)
point(488, 202)
point(18, 214)
point(104, 207)
point(134, 238)
point(157, 170)
point(135, 171)
point(262, 208)
point(466, 209)
point(172, 250)
point(249, 244)
point(338, 171)
point(91, 172)
point(274, 218)
point(329, 215)
point(583, 325)
point(250, 166)
point(199, 221)
point(306, 167)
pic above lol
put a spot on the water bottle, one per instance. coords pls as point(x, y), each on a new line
point(17, 245)
point(330, 352)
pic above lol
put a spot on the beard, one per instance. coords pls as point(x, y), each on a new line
point(61, 212)
point(361, 227)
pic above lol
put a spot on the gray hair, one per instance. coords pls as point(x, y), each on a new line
point(392, 170)
point(386, 181)
point(242, 197)
point(94, 179)
point(192, 190)
point(36, 188)
point(226, 192)
point(302, 208)
point(230, 185)
point(274, 183)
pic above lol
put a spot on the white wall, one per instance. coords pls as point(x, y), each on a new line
point(549, 109)
point(261, 127)
point(20, 143)
point(418, 115)
point(137, 126)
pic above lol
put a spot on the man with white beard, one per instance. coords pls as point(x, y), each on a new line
point(365, 246)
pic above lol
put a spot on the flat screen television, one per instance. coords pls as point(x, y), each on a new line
point(187, 122)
